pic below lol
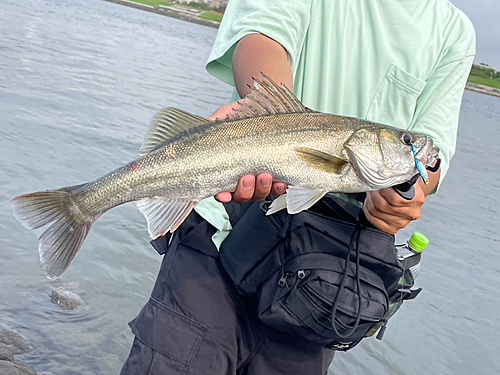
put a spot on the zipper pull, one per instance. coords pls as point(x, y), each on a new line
point(282, 280)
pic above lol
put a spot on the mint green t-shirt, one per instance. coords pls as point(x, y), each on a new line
point(398, 62)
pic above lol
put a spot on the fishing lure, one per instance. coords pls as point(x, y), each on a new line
point(420, 166)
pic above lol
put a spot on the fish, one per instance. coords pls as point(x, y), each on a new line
point(186, 158)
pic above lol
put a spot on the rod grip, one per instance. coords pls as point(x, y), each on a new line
point(405, 190)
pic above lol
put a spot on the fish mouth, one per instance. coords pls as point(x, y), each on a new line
point(427, 153)
point(424, 159)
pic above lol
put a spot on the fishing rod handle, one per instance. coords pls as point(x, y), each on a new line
point(405, 190)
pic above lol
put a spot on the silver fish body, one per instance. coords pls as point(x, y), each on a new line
point(187, 158)
point(212, 160)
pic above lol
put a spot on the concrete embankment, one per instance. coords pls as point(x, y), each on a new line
point(482, 89)
point(175, 11)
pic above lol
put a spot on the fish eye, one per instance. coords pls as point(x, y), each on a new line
point(406, 138)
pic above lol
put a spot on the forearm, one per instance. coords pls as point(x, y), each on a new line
point(253, 54)
point(257, 53)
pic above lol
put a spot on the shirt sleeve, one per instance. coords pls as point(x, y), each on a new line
point(285, 21)
point(438, 106)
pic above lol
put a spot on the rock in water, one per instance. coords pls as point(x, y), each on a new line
point(66, 299)
point(6, 353)
point(13, 341)
point(16, 368)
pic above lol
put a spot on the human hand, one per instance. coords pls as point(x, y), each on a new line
point(252, 187)
point(390, 212)
point(249, 186)
point(223, 111)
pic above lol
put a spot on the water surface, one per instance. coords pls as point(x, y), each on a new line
point(79, 83)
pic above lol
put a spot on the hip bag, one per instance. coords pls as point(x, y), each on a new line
point(329, 281)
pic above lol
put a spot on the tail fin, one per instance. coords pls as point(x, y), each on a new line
point(64, 236)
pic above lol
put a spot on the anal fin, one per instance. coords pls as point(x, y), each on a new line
point(296, 199)
point(300, 199)
point(164, 215)
point(277, 205)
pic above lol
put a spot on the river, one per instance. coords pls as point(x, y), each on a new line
point(79, 82)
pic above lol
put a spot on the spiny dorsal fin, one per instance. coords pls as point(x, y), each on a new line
point(166, 124)
point(267, 98)
point(321, 160)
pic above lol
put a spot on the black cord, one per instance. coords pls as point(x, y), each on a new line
point(356, 235)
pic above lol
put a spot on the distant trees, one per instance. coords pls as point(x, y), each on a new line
point(484, 71)
point(205, 6)
point(221, 9)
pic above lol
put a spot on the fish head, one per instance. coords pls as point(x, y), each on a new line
point(384, 156)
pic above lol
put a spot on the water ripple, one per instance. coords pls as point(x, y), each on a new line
point(80, 83)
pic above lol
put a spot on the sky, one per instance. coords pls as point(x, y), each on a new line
point(485, 15)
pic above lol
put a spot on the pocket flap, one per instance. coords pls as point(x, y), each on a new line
point(168, 332)
point(405, 80)
point(395, 100)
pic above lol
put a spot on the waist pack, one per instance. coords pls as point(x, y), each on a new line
point(327, 280)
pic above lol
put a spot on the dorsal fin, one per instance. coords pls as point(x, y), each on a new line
point(166, 124)
point(267, 98)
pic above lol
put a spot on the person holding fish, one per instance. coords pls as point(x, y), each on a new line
point(402, 64)
point(377, 88)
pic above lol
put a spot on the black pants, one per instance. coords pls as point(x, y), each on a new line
point(197, 323)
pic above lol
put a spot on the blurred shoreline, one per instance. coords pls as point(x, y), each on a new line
point(191, 15)
point(181, 13)
point(482, 89)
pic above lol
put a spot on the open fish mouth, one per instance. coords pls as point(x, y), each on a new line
point(427, 153)
point(424, 154)
point(424, 158)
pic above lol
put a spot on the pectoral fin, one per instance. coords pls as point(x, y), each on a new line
point(321, 160)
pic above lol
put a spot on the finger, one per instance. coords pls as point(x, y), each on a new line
point(390, 221)
point(395, 200)
point(221, 112)
point(392, 197)
point(278, 188)
point(245, 189)
point(385, 220)
point(379, 223)
point(378, 205)
point(224, 196)
point(263, 186)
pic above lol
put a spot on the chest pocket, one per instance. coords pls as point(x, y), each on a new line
point(395, 100)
